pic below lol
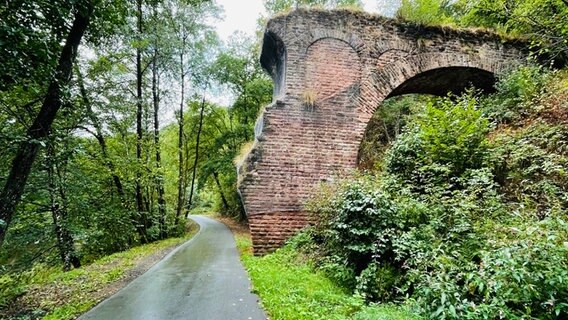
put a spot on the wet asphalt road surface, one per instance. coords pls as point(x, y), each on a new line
point(203, 279)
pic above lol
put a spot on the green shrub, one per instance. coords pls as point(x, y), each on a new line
point(515, 93)
point(385, 312)
point(532, 167)
point(361, 226)
point(379, 282)
point(111, 231)
point(359, 238)
point(522, 275)
point(339, 270)
point(443, 142)
point(427, 12)
point(10, 288)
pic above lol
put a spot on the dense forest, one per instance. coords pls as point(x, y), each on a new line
point(120, 118)
point(110, 134)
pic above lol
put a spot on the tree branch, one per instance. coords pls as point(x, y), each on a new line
point(28, 149)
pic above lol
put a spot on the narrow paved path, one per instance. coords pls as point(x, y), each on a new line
point(202, 279)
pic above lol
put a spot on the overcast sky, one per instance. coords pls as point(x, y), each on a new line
point(242, 14)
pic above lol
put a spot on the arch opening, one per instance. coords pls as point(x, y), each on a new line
point(387, 123)
point(390, 117)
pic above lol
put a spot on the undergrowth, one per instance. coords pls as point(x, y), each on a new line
point(291, 288)
point(465, 215)
point(49, 293)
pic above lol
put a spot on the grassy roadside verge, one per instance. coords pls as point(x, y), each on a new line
point(49, 293)
point(292, 289)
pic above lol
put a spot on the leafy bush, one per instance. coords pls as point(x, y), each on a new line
point(515, 93)
point(532, 165)
point(379, 282)
point(443, 142)
point(111, 231)
point(542, 22)
point(427, 12)
point(10, 288)
point(360, 228)
point(513, 277)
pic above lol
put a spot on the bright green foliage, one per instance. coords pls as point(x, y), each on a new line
point(444, 141)
point(453, 134)
point(544, 22)
point(362, 216)
point(10, 287)
point(532, 164)
point(88, 167)
point(42, 26)
point(515, 90)
point(512, 277)
point(238, 69)
point(291, 289)
point(226, 130)
point(32, 33)
point(385, 312)
point(427, 12)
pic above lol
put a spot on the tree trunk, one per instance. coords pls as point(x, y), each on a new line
point(181, 189)
point(65, 242)
point(141, 219)
point(28, 149)
point(223, 198)
point(159, 175)
point(189, 202)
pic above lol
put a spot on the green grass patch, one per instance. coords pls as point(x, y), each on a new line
point(66, 295)
point(70, 310)
point(292, 289)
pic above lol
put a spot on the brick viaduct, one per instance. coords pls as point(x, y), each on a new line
point(331, 70)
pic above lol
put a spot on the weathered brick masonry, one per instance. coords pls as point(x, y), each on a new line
point(331, 70)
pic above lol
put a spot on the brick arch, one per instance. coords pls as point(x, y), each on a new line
point(435, 74)
point(430, 73)
point(350, 38)
point(331, 77)
point(357, 60)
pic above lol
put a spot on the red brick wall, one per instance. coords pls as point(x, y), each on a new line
point(332, 68)
point(270, 230)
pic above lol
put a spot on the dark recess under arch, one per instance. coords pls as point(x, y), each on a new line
point(449, 79)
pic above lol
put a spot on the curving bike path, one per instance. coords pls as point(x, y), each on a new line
point(203, 279)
